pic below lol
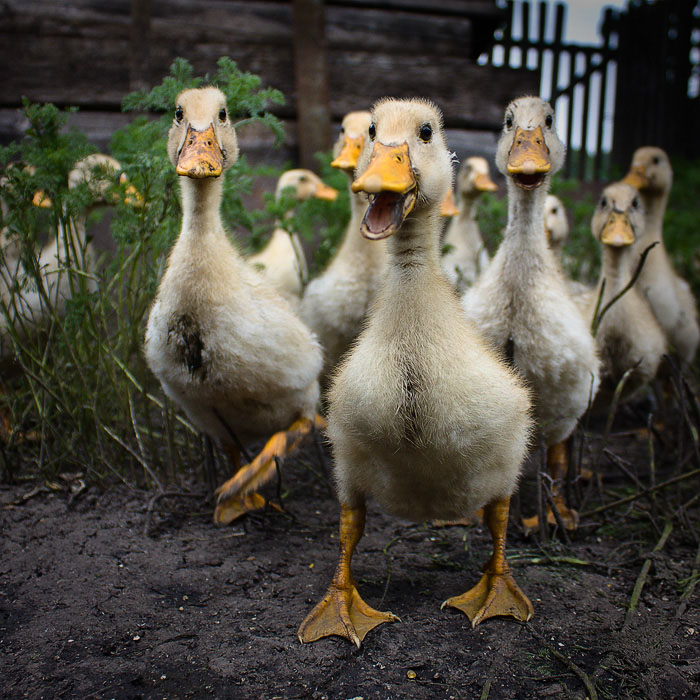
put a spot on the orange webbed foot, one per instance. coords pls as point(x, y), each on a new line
point(342, 612)
point(495, 594)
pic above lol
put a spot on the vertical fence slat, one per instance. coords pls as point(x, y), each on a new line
point(507, 33)
point(583, 157)
point(570, 109)
point(605, 62)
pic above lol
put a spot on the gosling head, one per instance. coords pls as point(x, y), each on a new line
point(202, 141)
point(351, 141)
point(618, 220)
point(405, 164)
point(650, 171)
point(305, 185)
point(556, 225)
point(474, 178)
point(529, 150)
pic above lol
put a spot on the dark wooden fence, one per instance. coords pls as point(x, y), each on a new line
point(658, 75)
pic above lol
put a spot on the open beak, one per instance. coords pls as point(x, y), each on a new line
point(350, 154)
point(617, 231)
point(637, 177)
point(41, 199)
point(325, 192)
point(528, 159)
point(484, 183)
point(200, 155)
point(391, 184)
point(447, 206)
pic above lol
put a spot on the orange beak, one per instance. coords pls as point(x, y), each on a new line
point(617, 231)
point(637, 177)
point(131, 195)
point(484, 183)
point(200, 155)
point(389, 170)
point(447, 206)
point(41, 199)
point(528, 159)
point(350, 153)
point(325, 192)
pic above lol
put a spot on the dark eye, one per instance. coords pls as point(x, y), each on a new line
point(342, 129)
point(603, 202)
point(372, 131)
point(222, 115)
point(554, 210)
point(509, 121)
point(548, 121)
point(635, 202)
point(179, 114)
point(656, 160)
point(425, 133)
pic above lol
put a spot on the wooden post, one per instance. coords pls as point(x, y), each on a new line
point(311, 79)
point(139, 60)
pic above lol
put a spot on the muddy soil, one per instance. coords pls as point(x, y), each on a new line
point(92, 607)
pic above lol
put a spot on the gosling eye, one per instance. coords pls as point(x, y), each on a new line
point(342, 129)
point(509, 121)
point(548, 121)
point(554, 210)
point(372, 132)
point(222, 115)
point(656, 160)
point(179, 113)
point(425, 133)
point(635, 203)
point(603, 202)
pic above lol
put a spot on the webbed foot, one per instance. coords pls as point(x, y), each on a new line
point(495, 594)
point(342, 612)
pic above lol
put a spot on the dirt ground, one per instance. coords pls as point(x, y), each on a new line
point(92, 607)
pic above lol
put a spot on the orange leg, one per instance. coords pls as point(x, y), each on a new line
point(342, 611)
point(557, 466)
point(238, 495)
point(497, 593)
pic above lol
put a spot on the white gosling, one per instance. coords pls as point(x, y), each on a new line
point(669, 294)
point(335, 304)
point(226, 347)
point(628, 335)
point(467, 257)
point(423, 416)
point(68, 260)
point(521, 302)
point(282, 261)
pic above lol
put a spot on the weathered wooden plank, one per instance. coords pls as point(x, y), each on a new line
point(311, 73)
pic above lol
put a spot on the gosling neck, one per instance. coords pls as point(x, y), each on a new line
point(616, 269)
point(414, 250)
point(526, 218)
point(201, 204)
point(655, 208)
point(354, 241)
point(467, 212)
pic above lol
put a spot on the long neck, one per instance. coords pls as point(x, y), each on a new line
point(467, 210)
point(655, 207)
point(354, 241)
point(201, 202)
point(616, 269)
point(525, 237)
point(414, 251)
